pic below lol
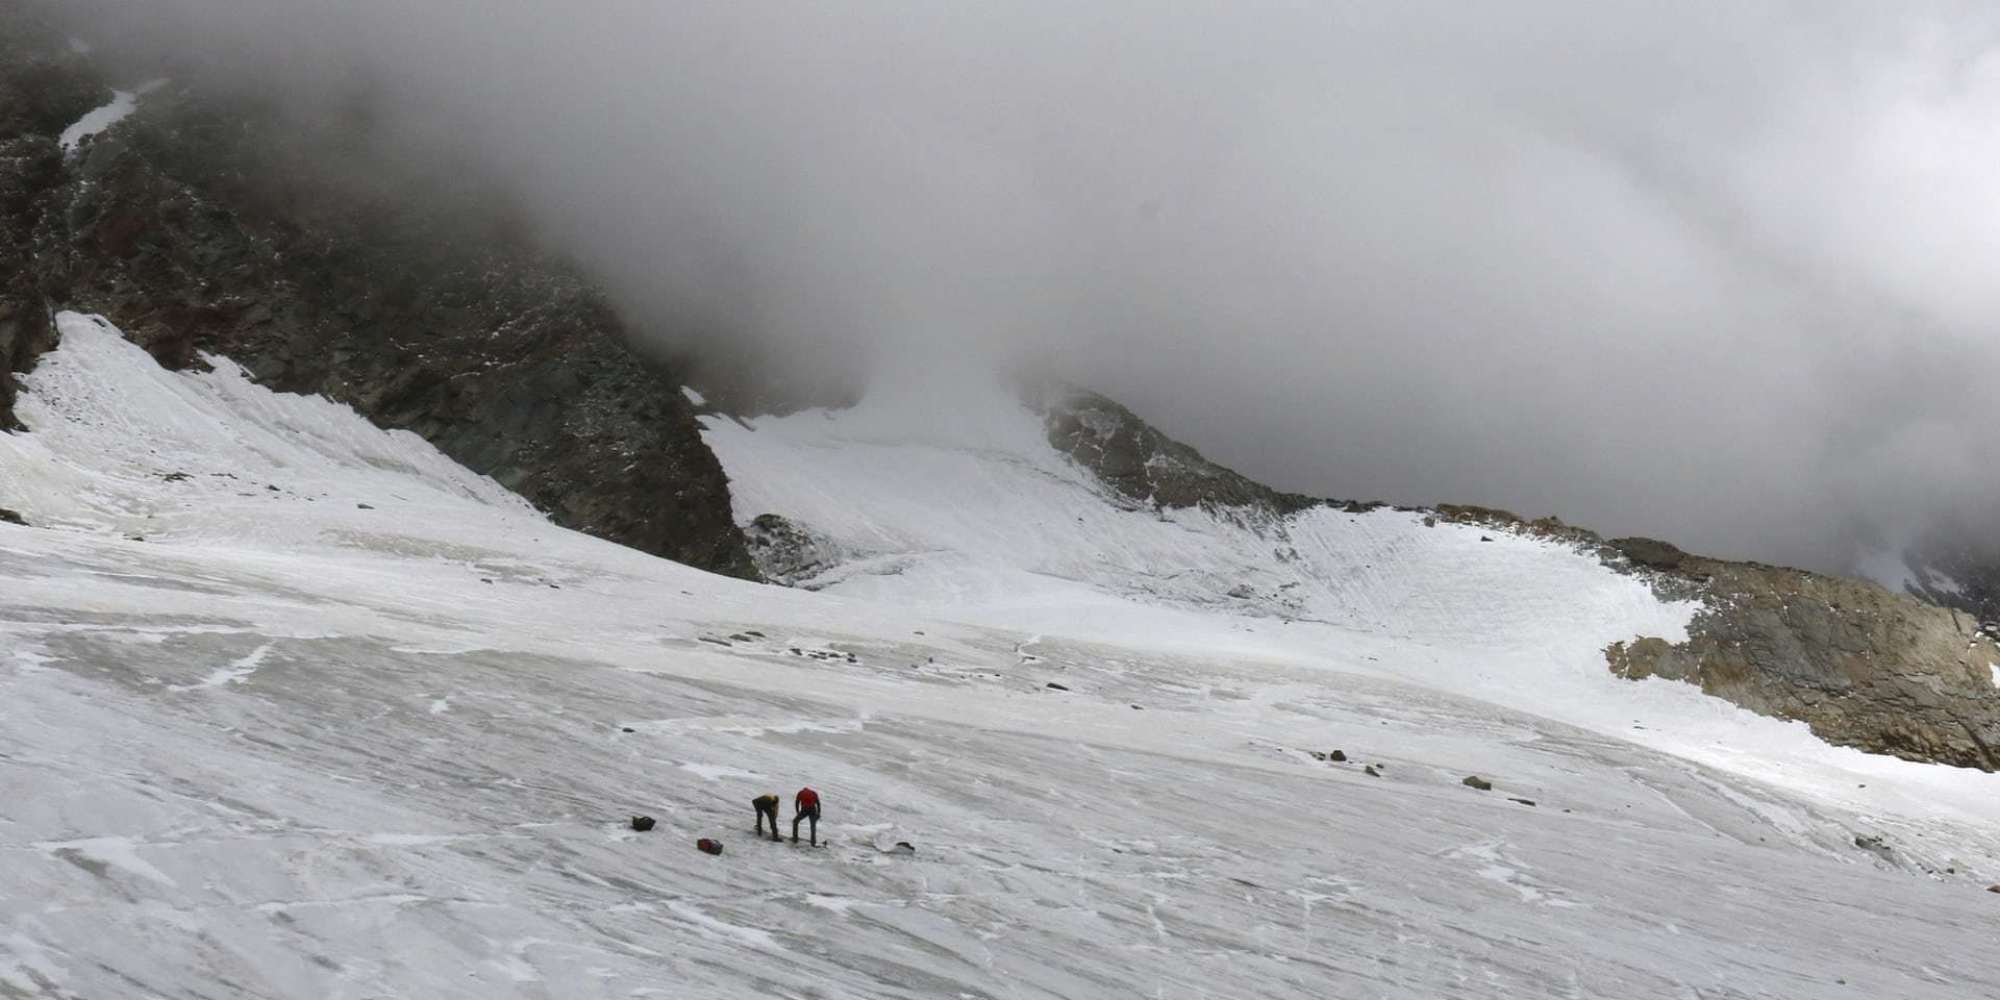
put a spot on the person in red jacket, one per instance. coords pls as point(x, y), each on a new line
point(805, 805)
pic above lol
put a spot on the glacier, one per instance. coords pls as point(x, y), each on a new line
point(292, 706)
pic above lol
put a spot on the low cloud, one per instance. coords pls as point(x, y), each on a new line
point(1715, 272)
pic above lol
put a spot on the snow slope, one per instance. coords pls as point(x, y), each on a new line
point(980, 520)
point(120, 107)
point(294, 746)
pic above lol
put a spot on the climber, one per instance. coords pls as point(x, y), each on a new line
point(767, 808)
point(805, 805)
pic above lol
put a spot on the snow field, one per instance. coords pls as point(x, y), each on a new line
point(288, 746)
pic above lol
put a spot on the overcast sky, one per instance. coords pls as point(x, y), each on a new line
point(1722, 273)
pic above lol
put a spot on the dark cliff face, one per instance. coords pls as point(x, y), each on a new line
point(220, 225)
point(43, 87)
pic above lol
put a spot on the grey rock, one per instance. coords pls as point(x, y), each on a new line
point(1143, 464)
point(787, 552)
point(1859, 665)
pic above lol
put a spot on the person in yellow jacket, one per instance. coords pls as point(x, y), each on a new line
point(767, 808)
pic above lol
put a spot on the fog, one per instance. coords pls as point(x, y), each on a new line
point(1720, 273)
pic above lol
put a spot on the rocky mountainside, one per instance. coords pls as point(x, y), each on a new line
point(204, 223)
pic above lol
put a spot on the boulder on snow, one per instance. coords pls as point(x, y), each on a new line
point(1337, 756)
point(1475, 781)
point(1525, 802)
point(1053, 686)
point(642, 823)
point(709, 846)
point(1371, 772)
point(10, 517)
point(1993, 888)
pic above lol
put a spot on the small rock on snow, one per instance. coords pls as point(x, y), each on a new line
point(1475, 781)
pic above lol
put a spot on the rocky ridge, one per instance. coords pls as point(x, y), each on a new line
point(1862, 666)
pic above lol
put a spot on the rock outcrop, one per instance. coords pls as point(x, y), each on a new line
point(1144, 465)
point(788, 554)
point(224, 225)
point(1862, 666)
point(43, 88)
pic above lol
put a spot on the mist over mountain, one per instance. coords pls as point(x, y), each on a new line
point(1708, 273)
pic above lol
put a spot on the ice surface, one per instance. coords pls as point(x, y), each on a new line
point(411, 783)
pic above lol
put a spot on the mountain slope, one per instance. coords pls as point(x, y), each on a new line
point(321, 262)
point(292, 746)
point(966, 516)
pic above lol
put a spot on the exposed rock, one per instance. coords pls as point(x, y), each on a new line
point(1053, 686)
point(1475, 781)
point(1861, 666)
point(208, 224)
point(1336, 756)
point(1145, 465)
point(708, 846)
point(12, 517)
point(1877, 846)
point(1525, 802)
point(1371, 772)
point(787, 552)
point(43, 88)
point(1649, 552)
point(642, 823)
